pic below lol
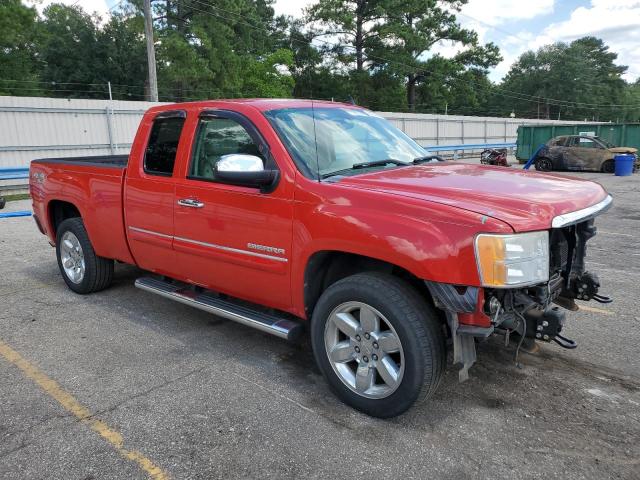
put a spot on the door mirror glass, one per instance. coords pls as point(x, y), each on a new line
point(239, 162)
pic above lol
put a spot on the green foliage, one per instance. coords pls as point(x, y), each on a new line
point(268, 77)
point(396, 37)
point(380, 53)
point(576, 81)
point(67, 44)
point(18, 66)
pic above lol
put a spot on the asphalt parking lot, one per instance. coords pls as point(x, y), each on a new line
point(125, 384)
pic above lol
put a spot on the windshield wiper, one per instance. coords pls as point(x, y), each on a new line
point(427, 158)
point(372, 163)
point(377, 163)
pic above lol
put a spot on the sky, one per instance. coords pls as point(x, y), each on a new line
point(514, 25)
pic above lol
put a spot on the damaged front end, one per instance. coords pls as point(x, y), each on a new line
point(530, 311)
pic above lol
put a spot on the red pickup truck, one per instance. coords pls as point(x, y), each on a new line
point(291, 215)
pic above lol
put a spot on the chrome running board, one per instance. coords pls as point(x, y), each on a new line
point(209, 302)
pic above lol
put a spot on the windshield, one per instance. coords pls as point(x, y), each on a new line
point(343, 137)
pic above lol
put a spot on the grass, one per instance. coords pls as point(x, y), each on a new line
point(17, 196)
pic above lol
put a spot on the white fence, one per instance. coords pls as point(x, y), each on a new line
point(33, 127)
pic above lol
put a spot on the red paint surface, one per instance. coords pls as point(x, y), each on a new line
point(421, 218)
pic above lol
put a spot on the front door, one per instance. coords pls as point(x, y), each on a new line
point(583, 153)
point(232, 239)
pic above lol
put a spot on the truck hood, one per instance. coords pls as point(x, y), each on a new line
point(525, 200)
point(623, 150)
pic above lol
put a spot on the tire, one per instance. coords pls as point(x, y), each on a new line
point(418, 363)
point(544, 164)
point(86, 272)
point(608, 166)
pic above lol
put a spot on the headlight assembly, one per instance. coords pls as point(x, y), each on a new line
point(512, 260)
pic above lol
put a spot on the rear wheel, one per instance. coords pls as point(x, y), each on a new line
point(544, 164)
point(82, 270)
point(378, 343)
point(608, 166)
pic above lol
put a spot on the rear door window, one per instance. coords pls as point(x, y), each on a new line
point(160, 155)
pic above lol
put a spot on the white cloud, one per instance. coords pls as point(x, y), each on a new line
point(617, 23)
point(492, 19)
point(291, 7)
point(495, 12)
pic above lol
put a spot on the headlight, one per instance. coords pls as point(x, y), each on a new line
point(513, 260)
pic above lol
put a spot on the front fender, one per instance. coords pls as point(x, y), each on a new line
point(432, 241)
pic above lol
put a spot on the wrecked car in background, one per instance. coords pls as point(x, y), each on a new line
point(580, 152)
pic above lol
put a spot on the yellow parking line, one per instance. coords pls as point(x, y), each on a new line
point(69, 403)
point(595, 310)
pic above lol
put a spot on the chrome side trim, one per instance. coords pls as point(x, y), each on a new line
point(211, 245)
point(581, 215)
point(150, 232)
point(230, 249)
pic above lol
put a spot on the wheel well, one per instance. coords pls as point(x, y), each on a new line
point(327, 267)
point(60, 211)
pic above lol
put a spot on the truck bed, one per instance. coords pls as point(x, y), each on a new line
point(93, 185)
point(108, 161)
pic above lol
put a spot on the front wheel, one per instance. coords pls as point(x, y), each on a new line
point(544, 164)
point(82, 270)
point(378, 343)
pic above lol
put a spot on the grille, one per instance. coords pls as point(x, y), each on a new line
point(559, 250)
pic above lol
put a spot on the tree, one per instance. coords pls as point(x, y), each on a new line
point(573, 81)
point(386, 44)
point(451, 86)
point(631, 113)
point(351, 21)
point(121, 55)
point(66, 47)
point(18, 64)
point(269, 76)
point(411, 30)
point(206, 49)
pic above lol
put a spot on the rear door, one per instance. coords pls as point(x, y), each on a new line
point(149, 195)
point(229, 238)
point(583, 153)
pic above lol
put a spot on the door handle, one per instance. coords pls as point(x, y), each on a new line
point(190, 202)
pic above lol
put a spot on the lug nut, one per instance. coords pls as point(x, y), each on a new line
point(358, 337)
point(367, 336)
point(545, 323)
point(546, 337)
point(365, 358)
point(538, 335)
point(540, 327)
point(374, 356)
point(375, 345)
point(357, 349)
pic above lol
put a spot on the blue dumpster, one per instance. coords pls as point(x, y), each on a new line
point(624, 164)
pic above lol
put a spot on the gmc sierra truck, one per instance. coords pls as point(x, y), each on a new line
point(291, 216)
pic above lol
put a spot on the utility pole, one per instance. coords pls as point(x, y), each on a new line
point(151, 52)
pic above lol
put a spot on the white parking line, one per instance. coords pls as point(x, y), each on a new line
point(614, 233)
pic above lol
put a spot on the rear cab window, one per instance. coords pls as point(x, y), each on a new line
point(162, 148)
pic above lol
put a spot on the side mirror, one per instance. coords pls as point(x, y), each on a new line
point(245, 170)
